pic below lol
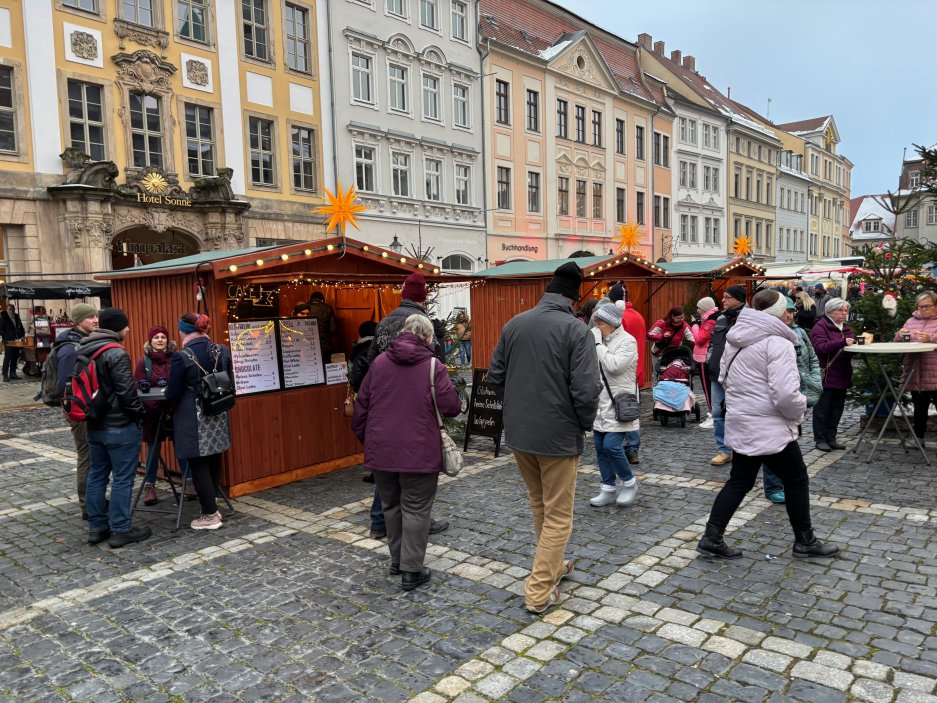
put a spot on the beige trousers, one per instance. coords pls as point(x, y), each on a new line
point(80, 435)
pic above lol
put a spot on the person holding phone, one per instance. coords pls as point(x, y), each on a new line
point(922, 327)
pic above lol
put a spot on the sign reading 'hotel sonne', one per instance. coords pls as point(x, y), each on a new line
point(155, 185)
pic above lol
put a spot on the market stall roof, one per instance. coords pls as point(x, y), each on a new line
point(590, 265)
point(713, 267)
point(262, 262)
point(53, 289)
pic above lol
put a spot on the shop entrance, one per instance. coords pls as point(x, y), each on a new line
point(140, 246)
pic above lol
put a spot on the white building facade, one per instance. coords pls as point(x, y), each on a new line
point(792, 222)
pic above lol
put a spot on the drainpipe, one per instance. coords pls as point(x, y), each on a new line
point(328, 27)
point(650, 203)
point(482, 122)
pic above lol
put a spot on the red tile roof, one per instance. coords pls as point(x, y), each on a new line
point(534, 25)
point(811, 125)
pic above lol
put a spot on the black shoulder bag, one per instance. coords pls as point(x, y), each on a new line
point(627, 405)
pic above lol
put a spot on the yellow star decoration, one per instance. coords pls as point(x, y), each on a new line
point(341, 209)
point(742, 246)
point(628, 237)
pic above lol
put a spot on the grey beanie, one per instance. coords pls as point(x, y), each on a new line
point(609, 313)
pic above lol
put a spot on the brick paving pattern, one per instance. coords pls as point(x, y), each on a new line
point(291, 600)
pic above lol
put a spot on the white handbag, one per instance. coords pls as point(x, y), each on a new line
point(451, 456)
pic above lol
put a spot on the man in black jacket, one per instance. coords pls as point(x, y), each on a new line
point(113, 435)
point(733, 300)
point(11, 329)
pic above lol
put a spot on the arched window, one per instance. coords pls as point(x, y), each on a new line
point(457, 262)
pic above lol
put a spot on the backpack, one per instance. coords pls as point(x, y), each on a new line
point(215, 392)
point(49, 387)
point(83, 398)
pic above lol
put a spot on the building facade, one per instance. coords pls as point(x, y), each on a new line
point(792, 221)
point(152, 129)
point(408, 124)
point(917, 218)
point(872, 223)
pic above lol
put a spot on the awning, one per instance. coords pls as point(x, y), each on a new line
point(54, 290)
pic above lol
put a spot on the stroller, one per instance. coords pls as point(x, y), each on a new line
point(673, 387)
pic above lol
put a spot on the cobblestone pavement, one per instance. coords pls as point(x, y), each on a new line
point(291, 601)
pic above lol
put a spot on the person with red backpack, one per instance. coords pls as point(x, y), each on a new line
point(102, 390)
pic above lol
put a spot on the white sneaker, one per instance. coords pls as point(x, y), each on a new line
point(207, 522)
point(626, 494)
point(707, 424)
point(604, 498)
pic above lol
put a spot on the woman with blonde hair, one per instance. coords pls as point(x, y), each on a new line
point(922, 326)
point(806, 310)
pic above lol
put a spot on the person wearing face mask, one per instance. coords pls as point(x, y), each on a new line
point(922, 326)
point(830, 336)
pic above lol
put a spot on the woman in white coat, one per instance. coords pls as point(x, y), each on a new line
point(618, 361)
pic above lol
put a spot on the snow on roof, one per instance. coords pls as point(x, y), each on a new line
point(745, 121)
point(873, 206)
point(556, 49)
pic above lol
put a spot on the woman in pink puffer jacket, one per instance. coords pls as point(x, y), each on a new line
point(764, 407)
point(922, 326)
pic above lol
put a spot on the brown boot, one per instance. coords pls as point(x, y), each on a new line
point(149, 494)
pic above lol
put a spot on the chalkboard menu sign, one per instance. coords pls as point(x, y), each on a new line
point(254, 355)
point(301, 352)
point(485, 415)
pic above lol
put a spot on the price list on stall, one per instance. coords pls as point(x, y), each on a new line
point(254, 355)
point(301, 352)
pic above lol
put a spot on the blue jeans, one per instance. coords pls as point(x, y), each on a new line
point(771, 482)
point(465, 352)
point(152, 464)
point(114, 453)
point(633, 442)
point(377, 513)
point(610, 454)
point(716, 396)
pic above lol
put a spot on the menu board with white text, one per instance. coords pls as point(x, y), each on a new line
point(254, 355)
point(301, 352)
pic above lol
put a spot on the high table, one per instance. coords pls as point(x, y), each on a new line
point(872, 355)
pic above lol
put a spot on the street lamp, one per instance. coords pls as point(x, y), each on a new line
point(395, 246)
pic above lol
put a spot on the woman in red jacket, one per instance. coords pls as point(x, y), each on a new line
point(671, 331)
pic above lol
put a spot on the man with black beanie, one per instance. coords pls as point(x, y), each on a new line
point(733, 300)
point(547, 364)
point(113, 434)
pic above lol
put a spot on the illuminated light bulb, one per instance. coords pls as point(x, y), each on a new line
point(403, 259)
point(330, 247)
point(308, 252)
point(419, 266)
point(384, 254)
point(365, 247)
point(260, 262)
point(435, 270)
point(233, 268)
point(285, 257)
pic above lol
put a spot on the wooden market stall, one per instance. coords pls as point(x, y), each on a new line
point(288, 422)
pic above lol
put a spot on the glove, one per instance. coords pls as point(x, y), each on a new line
point(439, 328)
point(597, 334)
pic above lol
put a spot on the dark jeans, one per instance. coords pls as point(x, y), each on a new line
point(114, 454)
point(827, 413)
point(11, 356)
point(206, 473)
point(789, 466)
point(377, 513)
point(922, 401)
point(772, 483)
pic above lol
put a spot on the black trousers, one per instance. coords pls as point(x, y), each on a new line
point(11, 356)
point(827, 413)
point(788, 465)
point(704, 379)
point(206, 474)
point(922, 401)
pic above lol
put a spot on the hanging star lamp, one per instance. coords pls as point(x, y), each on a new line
point(742, 246)
point(342, 209)
point(628, 237)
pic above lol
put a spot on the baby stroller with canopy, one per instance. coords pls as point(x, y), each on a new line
point(673, 387)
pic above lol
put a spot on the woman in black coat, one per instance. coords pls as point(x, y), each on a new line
point(11, 329)
point(200, 438)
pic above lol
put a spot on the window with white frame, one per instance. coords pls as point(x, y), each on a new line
point(296, 21)
point(597, 207)
point(398, 91)
point(707, 229)
point(433, 169)
point(533, 191)
point(361, 86)
point(88, 5)
point(596, 128)
point(400, 173)
point(254, 27)
point(682, 132)
point(138, 12)
point(871, 226)
point(580, 124)
point(364, 168)
point(707, 177)
point(199, 140)
point(914, 179)
point(691, 131)
point(694, 224)
point(146, 130)
point(430, 97)
point(463, 184)
point(910, 218)
point(85, 118)
point(459, 21)
point(619, 204)
point(263, 171)
point(932, 214)
point(639, 207)
point(191, 16)
point(303, 145)
point(580, 198)
point(397, 7)
point(460, 105)
point(684, 228)
point(715, 138)
point(562, 195)
point(457, 262)
point(504, 188)
point(429, 14)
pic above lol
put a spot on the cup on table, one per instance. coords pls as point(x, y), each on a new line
point(906, 337)
point(860, 340)
point(144, 386)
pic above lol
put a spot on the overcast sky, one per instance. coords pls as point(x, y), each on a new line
point(869, 63)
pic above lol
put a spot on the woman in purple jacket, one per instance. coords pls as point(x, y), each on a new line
point(396, 421)
point(830, 335)
point(922, 326)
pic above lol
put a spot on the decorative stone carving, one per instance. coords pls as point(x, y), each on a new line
point(144, 36)
point(75, 229)
point(98, 174)
point(436, 211)
point(563, 168)
point(581, 67)
point(152, 181)
point(196, 72)
point(99, 233)
point(214, 188)
point(84, 45)
point(397, 207)
point(143, 70)
point(372, 203)
point(233, 237)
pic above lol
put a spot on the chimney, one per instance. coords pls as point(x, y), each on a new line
point(645, 41)
point(675, 57)
point(689, 63)
point(659, 47)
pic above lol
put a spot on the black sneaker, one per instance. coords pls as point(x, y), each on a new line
point(134, 534)
point(437, 526)
point(98, 536)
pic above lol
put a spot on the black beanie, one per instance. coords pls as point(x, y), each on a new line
point(617, 292)
point(566, 281)
point(737, 292)
point(113, 319)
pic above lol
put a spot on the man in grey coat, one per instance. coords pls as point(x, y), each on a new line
point(546, 362)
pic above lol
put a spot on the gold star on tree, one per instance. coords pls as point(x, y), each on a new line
point(628, 237)
point(742, 246)
point(341, 209)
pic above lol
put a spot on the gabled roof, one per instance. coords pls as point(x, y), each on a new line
point(713, 267)
point(622, 265)
point(872, 207)
point(814, 124)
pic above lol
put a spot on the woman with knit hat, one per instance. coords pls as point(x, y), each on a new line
point(617, 353)
point(153, 368)
point(830, 336)
point(702, 331)
point(199, 356)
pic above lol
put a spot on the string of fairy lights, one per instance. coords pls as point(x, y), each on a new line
point(417, 265)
